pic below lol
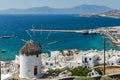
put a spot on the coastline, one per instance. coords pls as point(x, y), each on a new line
point(72, 56)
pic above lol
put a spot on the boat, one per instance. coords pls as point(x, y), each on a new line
point(7, 36)
point(89, 32)
point(85, 32)
point(3, 51)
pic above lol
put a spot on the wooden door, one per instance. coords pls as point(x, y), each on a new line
point(35, 70)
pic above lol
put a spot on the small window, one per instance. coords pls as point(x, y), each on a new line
point(85, 66)
point(8, 70)
point(90, 59)
point(51, 64)
point(112, 64)
point(46, 63)
point(85, 59)
point(92, 73)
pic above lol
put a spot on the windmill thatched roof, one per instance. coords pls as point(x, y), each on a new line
point(30, 48)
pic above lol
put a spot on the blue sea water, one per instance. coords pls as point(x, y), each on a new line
point(18, 24)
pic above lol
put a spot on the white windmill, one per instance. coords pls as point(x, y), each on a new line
point(30, 58)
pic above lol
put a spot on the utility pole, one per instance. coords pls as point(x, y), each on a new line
point(104, 52)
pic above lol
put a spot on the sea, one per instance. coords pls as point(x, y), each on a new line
point(50, 41)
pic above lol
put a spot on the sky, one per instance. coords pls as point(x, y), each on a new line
point(23, 4)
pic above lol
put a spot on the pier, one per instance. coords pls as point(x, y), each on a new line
point(98, 30)
point(103, 30)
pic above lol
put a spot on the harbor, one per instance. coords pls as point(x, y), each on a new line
point(64, 59)
point(112, 33)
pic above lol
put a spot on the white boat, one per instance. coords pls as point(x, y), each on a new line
point(7, 36)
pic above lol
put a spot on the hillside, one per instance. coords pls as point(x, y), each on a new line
point(82, 9)
point(112, 13)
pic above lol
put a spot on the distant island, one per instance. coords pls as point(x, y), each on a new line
point(112, 13)
point(82, 9)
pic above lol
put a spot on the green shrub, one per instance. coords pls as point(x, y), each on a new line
point(51, 71)
point(56, 71)
point(79, 71)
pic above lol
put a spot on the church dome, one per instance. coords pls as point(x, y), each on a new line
point(30, 48)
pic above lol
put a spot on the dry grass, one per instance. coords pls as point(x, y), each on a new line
point(111, 69)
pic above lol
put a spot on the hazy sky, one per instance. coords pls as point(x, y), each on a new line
point(5, 4)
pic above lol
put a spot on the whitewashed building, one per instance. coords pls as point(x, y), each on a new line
point(30, 60)
point(73, 64)
point(50, 64)
point(6, 77)
point(94, 73)
point(89, 59)
point(115, 60)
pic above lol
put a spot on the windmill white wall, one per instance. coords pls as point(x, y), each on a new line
point(27, 65)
